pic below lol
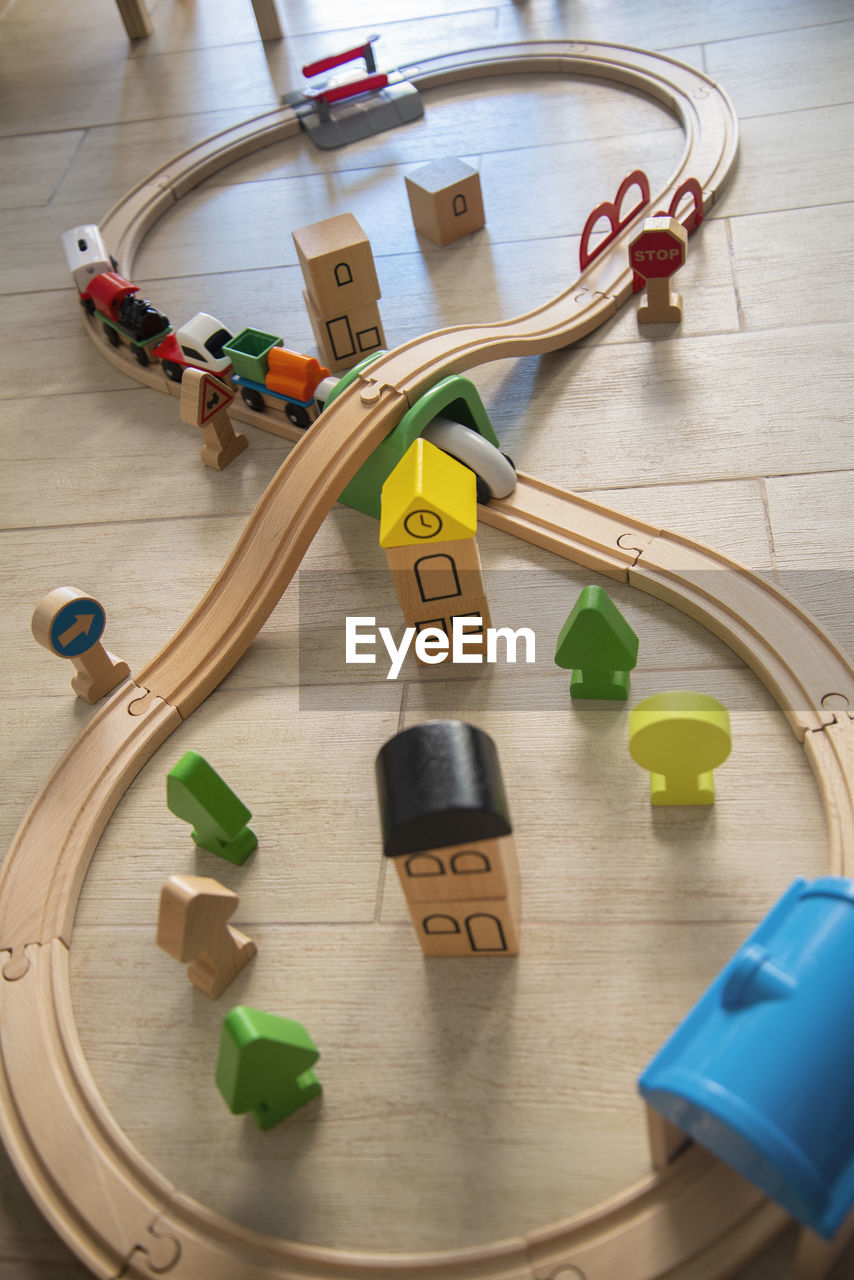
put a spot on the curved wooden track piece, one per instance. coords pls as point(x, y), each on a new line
point(119, 1215)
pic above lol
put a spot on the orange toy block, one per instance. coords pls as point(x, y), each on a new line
point(293, 374)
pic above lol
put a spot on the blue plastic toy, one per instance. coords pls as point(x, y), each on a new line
point(761, 1072)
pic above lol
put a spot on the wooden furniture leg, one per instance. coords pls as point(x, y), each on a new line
point(135, 16)
point(267, 17)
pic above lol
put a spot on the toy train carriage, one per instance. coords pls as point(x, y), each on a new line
point(123, 314)
point(268, 375)
point(86, 254)
point(198, 344)
point(451, 415)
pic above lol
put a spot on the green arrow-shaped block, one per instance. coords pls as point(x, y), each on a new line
point(196, 793)
point(264, 1065)
point(599, 646)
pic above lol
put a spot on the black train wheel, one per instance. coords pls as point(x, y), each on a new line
point(296, 414)
point(253, 399)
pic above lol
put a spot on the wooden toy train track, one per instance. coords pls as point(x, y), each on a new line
point(693, 1219)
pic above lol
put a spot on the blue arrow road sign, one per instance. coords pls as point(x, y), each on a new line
point(77, 627)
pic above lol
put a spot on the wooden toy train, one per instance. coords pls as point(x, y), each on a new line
point(273, 380)
point(265, 372)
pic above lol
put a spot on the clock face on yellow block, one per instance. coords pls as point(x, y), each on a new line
point(423, 524)
point(428, 495)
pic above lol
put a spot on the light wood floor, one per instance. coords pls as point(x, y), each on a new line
point(463, 1101)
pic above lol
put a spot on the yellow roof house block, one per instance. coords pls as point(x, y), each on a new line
point(429, 497)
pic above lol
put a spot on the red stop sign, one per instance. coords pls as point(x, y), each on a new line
point(659, 249)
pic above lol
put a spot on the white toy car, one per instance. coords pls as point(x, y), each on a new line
point(197, 344)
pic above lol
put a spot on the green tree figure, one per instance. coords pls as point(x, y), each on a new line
point(599, 646)
point(264, 1065)
point(196, 793)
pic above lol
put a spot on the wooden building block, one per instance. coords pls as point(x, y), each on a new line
point(428, 520)
point(474, 927)
point(439, 582)
point(439, 786)
point(480, 870)
point(445, 822)
point(341, 290)
point(192, 925)
point(446, 200)
point(337, 264)
point(345, 338)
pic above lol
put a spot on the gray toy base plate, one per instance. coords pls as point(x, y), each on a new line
point(363, 117)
